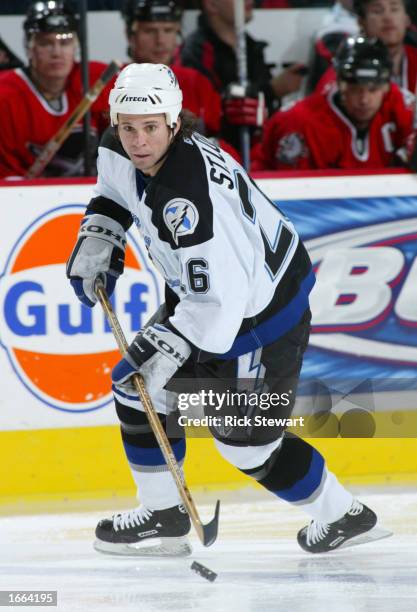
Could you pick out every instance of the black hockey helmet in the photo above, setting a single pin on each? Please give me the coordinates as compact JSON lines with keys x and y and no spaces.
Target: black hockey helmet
{"x":363,"y":60}
{"x":51,"y":16}
{"x":151,"y":10}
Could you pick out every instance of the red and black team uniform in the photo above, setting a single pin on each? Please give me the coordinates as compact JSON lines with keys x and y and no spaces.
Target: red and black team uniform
{"x":317,"y":134}
{"x":204,"y":51}
{"x":28,"y":121}
{"x":207,"y":53}
{"x":407,"y":79}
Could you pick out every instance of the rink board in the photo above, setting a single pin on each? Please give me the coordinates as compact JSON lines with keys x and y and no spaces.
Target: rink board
{"x":58,"y":431}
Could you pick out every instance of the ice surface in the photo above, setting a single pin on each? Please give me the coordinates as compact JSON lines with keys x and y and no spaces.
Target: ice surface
{"x":256,"y":557}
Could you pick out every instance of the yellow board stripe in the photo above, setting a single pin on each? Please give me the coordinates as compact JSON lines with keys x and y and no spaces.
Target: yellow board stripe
{"x":90,"y":462}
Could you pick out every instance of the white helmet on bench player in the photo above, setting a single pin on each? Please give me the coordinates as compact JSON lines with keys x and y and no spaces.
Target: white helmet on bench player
{"x":146,"y":89}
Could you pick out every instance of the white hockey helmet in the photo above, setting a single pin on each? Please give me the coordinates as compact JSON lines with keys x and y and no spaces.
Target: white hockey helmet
{"x":146,"y":89}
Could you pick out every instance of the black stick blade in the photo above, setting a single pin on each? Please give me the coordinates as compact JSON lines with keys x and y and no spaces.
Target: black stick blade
{"x":210,"y":530}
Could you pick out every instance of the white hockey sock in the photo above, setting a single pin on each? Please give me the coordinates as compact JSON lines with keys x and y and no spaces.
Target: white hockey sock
{"x":330,"y":502}
{"x":156,"y":490}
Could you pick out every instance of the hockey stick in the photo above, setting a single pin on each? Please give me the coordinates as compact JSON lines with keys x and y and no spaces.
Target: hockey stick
{"x":242,"y":72}
{"x":57,"y":140}
{"x":206,"y":533}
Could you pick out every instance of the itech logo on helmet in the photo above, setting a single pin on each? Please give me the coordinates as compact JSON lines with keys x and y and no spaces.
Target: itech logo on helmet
{"x":126,"y":98}
{"x":59,"y":349}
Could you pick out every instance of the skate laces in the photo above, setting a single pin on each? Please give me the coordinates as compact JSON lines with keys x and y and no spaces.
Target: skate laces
{"x":356,"y":508}
{"x":131,"y":518}
{"x":317,"y":531}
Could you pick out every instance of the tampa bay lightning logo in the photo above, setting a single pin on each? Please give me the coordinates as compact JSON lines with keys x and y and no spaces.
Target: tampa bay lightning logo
{"x":181,"y":218}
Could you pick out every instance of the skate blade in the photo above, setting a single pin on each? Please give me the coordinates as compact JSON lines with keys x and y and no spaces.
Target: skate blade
{"x":161,"y":547}
{"x":374,"y":534}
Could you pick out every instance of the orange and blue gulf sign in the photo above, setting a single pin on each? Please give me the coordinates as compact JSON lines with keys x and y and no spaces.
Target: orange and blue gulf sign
{"x":59,"y":349}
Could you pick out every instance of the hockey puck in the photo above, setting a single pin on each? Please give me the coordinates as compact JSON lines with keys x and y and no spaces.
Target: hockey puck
{"x":203,"y":571}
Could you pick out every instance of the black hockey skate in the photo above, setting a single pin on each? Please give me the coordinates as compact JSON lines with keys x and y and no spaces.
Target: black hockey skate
{"x":357,"y":526}
{"x":145,"y":532}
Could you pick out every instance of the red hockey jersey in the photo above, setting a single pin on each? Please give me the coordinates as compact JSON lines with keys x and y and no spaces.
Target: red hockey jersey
{"x":315,"y":134}
{"x":28,"y":121}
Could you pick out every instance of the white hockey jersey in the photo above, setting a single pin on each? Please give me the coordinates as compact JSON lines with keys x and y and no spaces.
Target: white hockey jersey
{"x":236,"y":273}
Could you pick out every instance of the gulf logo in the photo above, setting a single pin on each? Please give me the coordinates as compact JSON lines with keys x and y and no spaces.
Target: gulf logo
{"x":364,"y":303}
{"x":59,"y":349}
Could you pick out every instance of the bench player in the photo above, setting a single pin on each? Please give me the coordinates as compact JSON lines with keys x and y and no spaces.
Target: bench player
{"x":362,"y":122}
{"x":36,"y":100}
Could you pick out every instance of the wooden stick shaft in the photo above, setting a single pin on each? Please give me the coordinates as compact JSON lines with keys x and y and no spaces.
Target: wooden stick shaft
{"x":56,"y":141}
{"x":153,"y":418}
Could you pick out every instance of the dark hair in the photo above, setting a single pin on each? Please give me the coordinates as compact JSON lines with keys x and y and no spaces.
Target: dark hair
{"x":359,"y":6}
{"x":189,"y":124}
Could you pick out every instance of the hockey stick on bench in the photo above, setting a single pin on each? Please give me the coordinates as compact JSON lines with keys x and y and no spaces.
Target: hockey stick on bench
{"x":55,"y":143}
{"x":206,"y":533}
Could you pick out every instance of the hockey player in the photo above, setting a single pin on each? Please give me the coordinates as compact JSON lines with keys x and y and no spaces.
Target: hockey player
{"x":153,"y":29}
{"x":211,"y":49}
{"x":363,"y":122}
{"x":387,"y":20}
{"x":35,"y":101}
{"x":237,"y":284}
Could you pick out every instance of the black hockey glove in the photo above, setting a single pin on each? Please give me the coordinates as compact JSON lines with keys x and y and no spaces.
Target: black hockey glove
{"x":100,"y":250}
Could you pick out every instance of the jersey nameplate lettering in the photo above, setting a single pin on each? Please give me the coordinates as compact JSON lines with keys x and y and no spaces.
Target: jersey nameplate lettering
{"x":219,"y":172}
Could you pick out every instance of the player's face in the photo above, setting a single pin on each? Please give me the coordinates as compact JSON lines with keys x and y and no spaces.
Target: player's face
{"x":387,"y":20}
{"x":51,"y":54}
{"x":362,"y":101}
{"x":154,"y":42}
{"x":145,"y":138}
